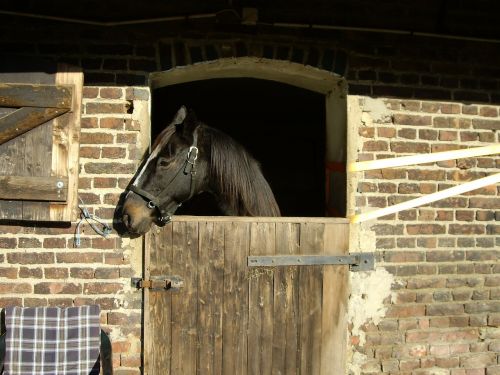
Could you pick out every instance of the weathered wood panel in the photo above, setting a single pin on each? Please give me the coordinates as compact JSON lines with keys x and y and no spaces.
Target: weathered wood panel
{"x":34,"y":188}
{"x":24,"y":119}
{"x":40,"y":142}
{"x":231,"y":319}
{"x":26,"y":95}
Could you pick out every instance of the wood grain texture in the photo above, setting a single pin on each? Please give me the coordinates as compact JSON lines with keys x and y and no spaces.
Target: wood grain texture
{"x":210,"y":297}
{"x":66,"y":143}
{"x":185,"y":302}
{"x":286,"y":302}
{"x":24,"y":120}
{"x":158,"y":314}
{"x":232,"y":319}
{"x":35,"y":95}
{"x":310,"y":300}
{"x":261,"y":301}
{"x":335,"y":299}
{"x":235,"y":318}
{"x":33,"y":188}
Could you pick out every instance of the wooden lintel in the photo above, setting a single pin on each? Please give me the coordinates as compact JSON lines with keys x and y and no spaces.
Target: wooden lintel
{"x":25,"y":119}
{"x":52,"y":189}
{"x":24,"y":95}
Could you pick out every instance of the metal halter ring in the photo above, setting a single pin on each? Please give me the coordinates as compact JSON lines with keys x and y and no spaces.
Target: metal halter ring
{"x":151,"y":205}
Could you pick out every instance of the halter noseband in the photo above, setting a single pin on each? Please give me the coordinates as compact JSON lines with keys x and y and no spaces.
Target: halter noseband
{"x":153,"y":201}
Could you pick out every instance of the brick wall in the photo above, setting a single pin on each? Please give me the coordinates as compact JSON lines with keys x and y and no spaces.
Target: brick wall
{"x":440,"y":312}
{"x":41,"y":266}
{"x":443,"y":313}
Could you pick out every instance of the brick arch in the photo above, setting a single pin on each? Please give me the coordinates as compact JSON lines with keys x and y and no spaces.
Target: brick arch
{"x":182,"y":53}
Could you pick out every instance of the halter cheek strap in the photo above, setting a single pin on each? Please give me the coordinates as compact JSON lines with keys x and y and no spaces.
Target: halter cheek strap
{"x":165,"y":213}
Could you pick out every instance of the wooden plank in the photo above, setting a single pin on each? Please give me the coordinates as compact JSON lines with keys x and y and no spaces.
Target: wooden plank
{"x":261,"y":301}
{"x":25,"y":119}
{"x":210,"y":297}
{"x":429,"y":198}
{"x":424,"y":158}
{"x":11,"y":161}
{"x":66,"y":143}
{"x":335,"y":299}
{"x":158,"y":314}
{"x":184,"y":303}
{"x":235,"y":318}
{"x":26,"y":95}
{"x":286,"y":302}
{"x":33,"y":188}
{"x":249,"y":219}
{"x":310,"y":300}
{"x":21,"y":159}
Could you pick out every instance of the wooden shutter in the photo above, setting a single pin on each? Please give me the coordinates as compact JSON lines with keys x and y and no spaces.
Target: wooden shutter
{"x":40,"y":109}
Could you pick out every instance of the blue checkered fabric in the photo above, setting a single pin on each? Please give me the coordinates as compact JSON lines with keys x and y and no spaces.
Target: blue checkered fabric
{"x":52,"y":340}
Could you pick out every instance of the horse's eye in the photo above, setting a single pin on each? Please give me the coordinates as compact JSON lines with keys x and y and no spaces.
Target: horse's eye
{"x":162,"y":162}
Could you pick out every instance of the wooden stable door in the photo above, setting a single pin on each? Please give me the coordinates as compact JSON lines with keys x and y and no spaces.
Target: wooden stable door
{"x":232,"y":319}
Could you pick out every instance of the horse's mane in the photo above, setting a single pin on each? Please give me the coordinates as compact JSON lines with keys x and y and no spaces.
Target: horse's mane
{"x":239,"y":177}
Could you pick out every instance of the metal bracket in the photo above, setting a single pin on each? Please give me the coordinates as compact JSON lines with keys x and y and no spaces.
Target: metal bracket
{"x":356,"y":261}
{"x":156,"y":283}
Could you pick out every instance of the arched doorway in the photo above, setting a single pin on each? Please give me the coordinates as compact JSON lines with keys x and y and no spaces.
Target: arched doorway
{"x":292,"y":118}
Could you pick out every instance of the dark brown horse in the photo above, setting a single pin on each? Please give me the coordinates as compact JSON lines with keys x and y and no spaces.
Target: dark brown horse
{"x":188,"y":158}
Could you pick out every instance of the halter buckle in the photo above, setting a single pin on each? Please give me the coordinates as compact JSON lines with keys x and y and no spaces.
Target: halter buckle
{"x":193,"y":150}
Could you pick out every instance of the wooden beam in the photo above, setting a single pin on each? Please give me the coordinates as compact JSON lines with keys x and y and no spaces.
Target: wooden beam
{"x":423,"y":158}
{"x":25,"y":119}
{"x":460,"y":189}
{"x":24,"y":95}
{"x":52,"y":189}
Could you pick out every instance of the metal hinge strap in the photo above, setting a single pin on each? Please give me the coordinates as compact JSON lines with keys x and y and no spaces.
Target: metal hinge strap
{"x":356,"y":261}
{"x":156,"y":283}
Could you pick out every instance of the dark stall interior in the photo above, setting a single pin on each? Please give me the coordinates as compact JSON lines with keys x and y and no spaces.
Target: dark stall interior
{"x":282,"y":126}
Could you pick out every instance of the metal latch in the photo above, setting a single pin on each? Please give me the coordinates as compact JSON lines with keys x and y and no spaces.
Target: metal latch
{"x":356,"y":261}
{"x":156,"y":283}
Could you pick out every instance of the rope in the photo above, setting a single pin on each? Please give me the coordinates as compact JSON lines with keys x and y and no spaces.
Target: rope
{"x":93,"y":221}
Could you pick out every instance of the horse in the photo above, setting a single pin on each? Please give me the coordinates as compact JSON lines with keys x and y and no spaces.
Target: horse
{"x":189,"y":157}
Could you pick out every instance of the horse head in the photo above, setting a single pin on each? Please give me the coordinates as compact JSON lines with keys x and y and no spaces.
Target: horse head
{"x":173,"y":173}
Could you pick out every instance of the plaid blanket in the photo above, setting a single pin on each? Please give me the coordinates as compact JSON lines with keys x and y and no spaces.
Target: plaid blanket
{"x":51,"y":340}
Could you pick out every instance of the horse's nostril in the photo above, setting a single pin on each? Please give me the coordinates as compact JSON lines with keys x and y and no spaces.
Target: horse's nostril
{"x":126,"y":220}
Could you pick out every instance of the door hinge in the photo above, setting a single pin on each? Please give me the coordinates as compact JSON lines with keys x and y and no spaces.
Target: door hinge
{"x":157,"y":283}
{"x":356,"y":261}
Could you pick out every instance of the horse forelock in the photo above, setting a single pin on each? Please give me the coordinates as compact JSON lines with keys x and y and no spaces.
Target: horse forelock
{"x":239,"y":177}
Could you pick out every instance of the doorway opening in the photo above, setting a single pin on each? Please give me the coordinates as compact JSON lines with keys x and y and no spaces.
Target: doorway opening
{"x":282,"y":126}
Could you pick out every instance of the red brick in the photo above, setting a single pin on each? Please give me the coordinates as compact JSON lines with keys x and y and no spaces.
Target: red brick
{"x":419,"y":229}
{"x":7,"y":288}
{"x":410,"y":147}
{"x":106,"y":108}
{"x":405,"y":311}
{"x":79,"y":257}
{"x":113,"y":152}
{"x":8,"y":243}
{"x":30,"y":258}
{"x":419,"y":120}
{"x":88,"y":122}
{"x":32,"y":273}
{"x":110,"y":168}
{"x":110,"y":93}
{"x":56,"y":273}
{"x":57,"y":288}
{"x":466,"y":229}
{"x":445,"y":309}
{"x":486,"y":124}
{"x":90,"y":152}
{"x":51,"y":243}
{"x":105,"y":182}
{"x":375,"y":146}
{"x":90,"y":92}
{"x":426,"y":174}
{"x":95,"y":138}
{"x":447,"y":135}
{"x":102,"y":288}
{"x":112,"y":123}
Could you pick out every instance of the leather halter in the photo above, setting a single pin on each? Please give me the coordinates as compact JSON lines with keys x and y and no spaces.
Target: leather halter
{"x":158,"y":201}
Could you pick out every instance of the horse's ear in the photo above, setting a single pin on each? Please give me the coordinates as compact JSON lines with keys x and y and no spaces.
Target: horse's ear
{"x":190,"y":123}
{"x":180,"y":116}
